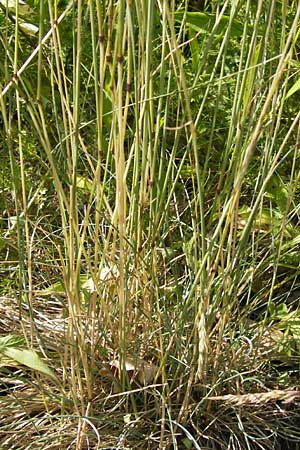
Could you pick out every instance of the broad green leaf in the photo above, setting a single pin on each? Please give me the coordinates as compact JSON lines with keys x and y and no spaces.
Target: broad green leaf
{"x":278,"y":192}
{"x":266,"y":220}
{"x":195,"y":49}
{"x":55,"y":288}
{"x":29,"y":358}
{"x":278,"y":311}
{"x":187,"y":443}
{"x":23,"y":8}
{"x":29,"y":28}
{"x":59,"y":288}
{"x":199,"y":21}
{"x":293,"y":89}
{"x":294,"y":326}
{"x":11,"y":340}
{"x":84,"y":183}
{"x":251,"y":80}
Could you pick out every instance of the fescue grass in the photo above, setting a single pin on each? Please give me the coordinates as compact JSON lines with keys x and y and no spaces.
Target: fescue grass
{"x":150,"y":230}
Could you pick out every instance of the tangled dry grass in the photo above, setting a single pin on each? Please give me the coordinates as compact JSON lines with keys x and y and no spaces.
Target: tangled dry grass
{"x":38,"y":414}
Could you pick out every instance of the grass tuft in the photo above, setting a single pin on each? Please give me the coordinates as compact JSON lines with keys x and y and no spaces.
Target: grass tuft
{"x":149,"y":239}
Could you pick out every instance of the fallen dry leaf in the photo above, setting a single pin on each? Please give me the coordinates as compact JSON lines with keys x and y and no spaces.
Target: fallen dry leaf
{"x":138,"y":370}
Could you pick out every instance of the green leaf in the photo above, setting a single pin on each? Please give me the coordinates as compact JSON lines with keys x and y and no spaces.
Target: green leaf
{"x":55,"y":288}
{"x":278,"y":311}
{"x":23,"y":8}
{"x":251,"y":80}
{"x":195,"y":49}
{"x":11,"y":340}
{"x":59,"y":288}
{"x":187,"y":443}
{"x":294,"y":327}
{"x":278,"y":192}
{"x":29,"y":28}
{"x":293,"y":89}
{"x":199,"y":21}
{"x":28,"y":358}
{"x":84,"y":184}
